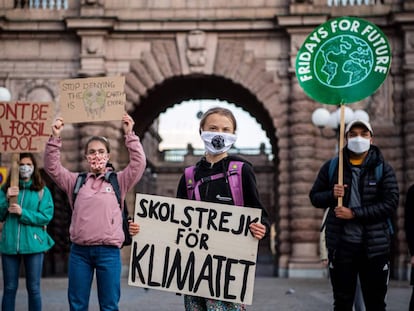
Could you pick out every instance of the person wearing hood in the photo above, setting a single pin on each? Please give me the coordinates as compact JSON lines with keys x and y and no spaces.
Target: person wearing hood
{"x":217,"y":129}
{"x":359,"y":232}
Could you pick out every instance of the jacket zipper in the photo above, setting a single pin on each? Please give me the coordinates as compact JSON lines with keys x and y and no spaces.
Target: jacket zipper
{"x":36,"y":237}
{"x":19,"y":225}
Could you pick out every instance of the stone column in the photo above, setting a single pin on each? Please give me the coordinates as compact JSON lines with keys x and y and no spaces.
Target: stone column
{"x":408,"y":134}
{"x":303,"y":219}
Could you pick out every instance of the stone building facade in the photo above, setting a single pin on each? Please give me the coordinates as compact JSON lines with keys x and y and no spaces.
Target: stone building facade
{"x":241,"y":51}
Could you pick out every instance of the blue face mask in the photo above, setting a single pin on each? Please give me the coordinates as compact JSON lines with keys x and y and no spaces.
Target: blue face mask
{"x":217,"y":142}
{"x":26,"y":171}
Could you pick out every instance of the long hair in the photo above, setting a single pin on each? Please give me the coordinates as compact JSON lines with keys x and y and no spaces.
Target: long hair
{"x":221,"y":111}
{"x":37,"y":181}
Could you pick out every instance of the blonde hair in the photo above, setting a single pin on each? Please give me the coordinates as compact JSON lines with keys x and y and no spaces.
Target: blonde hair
{"x":221,"y":111}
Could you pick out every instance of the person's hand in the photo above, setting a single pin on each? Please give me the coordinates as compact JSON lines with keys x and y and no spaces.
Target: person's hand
{"x":324,"y":262}
{"x":57,"y":127}
{"x":339,"y":190}
{"x":343,"y":212}
{"x":12,"y":191}
{"x":15,"y":209}
{"x":258,"y":230}
{"x":133,"y":228}
{"x":127,"y":123}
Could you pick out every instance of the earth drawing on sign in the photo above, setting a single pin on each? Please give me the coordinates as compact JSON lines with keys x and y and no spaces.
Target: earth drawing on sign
{"x":342,"y":61}
{"x":345,"y":61}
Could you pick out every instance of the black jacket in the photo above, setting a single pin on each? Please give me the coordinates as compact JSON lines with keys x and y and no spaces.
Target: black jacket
{"x":409,"y":219}
{"x":379,"y":202}
{"x":211,"y":191}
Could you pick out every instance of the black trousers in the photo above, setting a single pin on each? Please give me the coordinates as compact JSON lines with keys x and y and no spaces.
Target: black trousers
{"x":412,"y":293}
{"x":345,"y":264}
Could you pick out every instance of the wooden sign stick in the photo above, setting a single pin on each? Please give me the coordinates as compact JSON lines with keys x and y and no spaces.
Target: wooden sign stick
{"x":340,"y":151}
{"x":14,"y":174}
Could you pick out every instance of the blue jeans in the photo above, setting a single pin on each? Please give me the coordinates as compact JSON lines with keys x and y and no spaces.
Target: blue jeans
{"x":105,"y":261}
{"x":33,"y":264}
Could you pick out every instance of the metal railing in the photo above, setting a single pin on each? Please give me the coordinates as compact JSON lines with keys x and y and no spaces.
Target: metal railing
{"x":353,"y":2}
{"x":41,"y":4}
{"x":177,"y":155}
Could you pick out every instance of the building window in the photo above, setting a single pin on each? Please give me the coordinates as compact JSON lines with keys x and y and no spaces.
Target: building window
{"x":41,"y":4}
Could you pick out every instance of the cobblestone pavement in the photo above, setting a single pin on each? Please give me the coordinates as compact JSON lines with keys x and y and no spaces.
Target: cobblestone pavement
{"x":270,"y":294}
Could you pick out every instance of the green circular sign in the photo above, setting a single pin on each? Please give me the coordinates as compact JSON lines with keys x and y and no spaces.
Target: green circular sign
{"x":343,"y":61}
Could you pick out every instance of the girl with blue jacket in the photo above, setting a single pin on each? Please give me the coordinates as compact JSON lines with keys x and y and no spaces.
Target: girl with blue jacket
{"x":24,"y":237}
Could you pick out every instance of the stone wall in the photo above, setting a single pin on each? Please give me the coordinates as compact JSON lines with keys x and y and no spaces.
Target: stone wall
{"x":241,"y":51}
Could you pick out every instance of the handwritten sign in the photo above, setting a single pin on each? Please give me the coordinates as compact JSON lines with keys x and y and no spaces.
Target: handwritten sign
{"x":24,"y":127}
{"x":195,"y":248}
{"x":92,"y":99}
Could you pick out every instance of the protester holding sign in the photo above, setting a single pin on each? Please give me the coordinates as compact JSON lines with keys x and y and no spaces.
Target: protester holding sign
{"x":217,"y":129}
{"x":358,"y":233}
{"x":96,"y":226}
{"x":409,"y":236}
{"x":24,"y":236}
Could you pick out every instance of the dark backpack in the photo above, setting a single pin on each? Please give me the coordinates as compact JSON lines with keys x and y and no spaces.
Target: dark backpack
{"x":379,"y":170}
{"x":234,"y":176}
{"x":113,"y":180}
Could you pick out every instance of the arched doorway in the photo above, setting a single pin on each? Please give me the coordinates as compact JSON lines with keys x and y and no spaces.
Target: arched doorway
{"x":178,"y":89}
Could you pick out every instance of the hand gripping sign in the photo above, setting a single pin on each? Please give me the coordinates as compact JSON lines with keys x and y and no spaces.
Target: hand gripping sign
{"x":343,"y":61}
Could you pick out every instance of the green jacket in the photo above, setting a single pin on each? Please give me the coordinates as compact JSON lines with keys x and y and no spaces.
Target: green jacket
{"x":26,"y":234}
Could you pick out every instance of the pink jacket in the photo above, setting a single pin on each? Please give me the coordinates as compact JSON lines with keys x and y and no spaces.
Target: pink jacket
{"x":96,"y":216}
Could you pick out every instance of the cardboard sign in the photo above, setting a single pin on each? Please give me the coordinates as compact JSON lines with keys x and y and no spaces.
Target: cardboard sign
{"x":24,"y":127}
{"x":92,"y":99}
{"x":343,"y":61}
{"x":195,"y":248}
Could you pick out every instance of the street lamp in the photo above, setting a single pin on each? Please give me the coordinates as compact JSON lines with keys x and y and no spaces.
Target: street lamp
{"x":5,"y":95}
{"x":322,"y":118}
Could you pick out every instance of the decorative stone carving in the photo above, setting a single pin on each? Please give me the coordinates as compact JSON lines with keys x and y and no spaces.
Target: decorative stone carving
{"x":197,"y":51}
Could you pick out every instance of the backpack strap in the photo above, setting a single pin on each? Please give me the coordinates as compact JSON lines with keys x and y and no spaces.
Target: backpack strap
{"x":189,"y":181}
{"x":80,"y":180}
{"x":333,"y":165}
{"x":235,"y":180}
{"x":234,"y":177}
{"x":379,"y":171}
{"x":110,"y":177}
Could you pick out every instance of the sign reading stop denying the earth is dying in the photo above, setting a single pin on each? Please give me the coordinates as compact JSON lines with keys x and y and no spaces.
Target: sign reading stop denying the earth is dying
{"x":24,"y":127}
{"x":92,"y":99}
{"x":343,"y":61}
{"x":194,"y":247}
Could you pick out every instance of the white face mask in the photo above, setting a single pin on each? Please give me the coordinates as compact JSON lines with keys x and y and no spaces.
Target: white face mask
{"x":26,"y":171}
{"x":359,"y":144}
{"x":217,"y":142}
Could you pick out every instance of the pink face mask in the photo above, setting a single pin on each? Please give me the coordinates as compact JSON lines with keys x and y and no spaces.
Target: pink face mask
{"x":97,"y":161}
